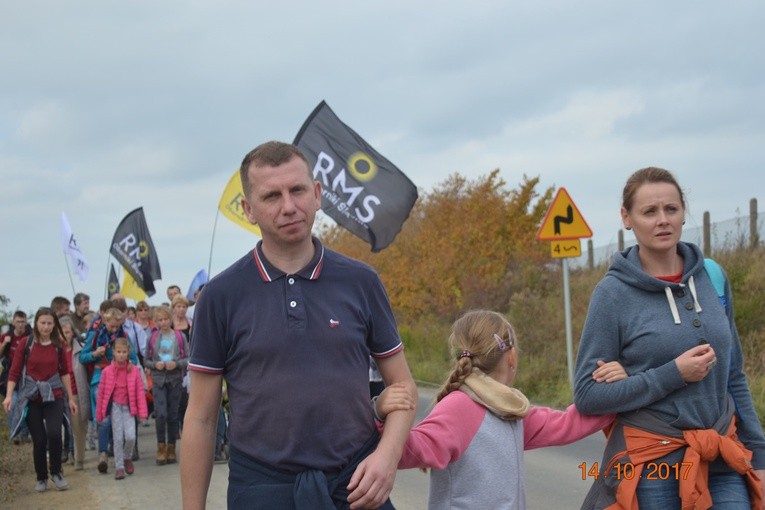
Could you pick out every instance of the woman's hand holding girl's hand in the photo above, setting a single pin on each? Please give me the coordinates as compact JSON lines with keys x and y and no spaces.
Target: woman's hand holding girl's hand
{"x":7,"y":403}
{"x":695,"y":363}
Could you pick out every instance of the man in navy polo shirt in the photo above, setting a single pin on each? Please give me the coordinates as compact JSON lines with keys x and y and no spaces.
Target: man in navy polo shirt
{"x":291,"y":327}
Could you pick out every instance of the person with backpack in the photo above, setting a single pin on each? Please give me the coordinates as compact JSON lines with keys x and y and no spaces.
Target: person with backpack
{"x":167,"y":358}
{"x":41,"y":373}
{"x":9,"y":344}
{"x":687,"y":434}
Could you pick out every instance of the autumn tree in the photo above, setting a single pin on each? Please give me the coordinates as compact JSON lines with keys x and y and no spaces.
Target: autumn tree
{"x":467,"y":244}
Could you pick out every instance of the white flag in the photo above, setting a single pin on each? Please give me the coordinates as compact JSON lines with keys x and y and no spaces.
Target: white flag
{"x":68,"y":242}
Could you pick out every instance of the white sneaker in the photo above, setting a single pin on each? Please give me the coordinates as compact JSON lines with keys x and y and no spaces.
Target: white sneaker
{"x":60,"y":482}
{"x":41,"y":485}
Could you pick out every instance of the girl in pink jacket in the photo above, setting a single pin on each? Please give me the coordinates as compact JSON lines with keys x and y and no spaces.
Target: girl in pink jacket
{"x":121,"y":388}
{"x":474,"y":437}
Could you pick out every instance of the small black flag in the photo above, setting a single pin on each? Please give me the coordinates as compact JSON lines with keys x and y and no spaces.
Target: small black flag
{"x":361,"y":189}
{"x":133,"y":248}
{"x":114,"y":283}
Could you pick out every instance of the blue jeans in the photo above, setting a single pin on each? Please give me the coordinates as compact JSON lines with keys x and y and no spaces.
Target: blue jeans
{"x":220,"y":433}
{"x":728,"y":490}
{"x":105,"y":427}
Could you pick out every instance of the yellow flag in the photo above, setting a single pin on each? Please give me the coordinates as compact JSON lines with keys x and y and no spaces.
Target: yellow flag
{"x":231,"y":204}
{"x":130,"y":288}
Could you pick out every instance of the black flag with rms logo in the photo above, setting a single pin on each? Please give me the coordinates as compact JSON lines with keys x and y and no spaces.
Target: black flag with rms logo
{"x":114,"y":283}
{"x":133,"y":248}
{"x":361,"y":189}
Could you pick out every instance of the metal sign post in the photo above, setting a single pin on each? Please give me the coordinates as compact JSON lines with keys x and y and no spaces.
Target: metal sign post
{"x":569,"y":332}
{"x":564,"y":226}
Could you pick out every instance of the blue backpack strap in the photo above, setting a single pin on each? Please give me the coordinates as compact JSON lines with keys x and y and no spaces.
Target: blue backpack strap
{"x":715,"y":273}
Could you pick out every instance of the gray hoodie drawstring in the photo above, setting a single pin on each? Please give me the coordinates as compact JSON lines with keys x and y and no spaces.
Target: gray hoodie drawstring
{"x":673,"y":305}
{"x":692,"y":286}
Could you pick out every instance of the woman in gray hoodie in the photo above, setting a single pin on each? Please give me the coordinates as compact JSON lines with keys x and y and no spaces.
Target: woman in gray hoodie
{"x":687,"y":432}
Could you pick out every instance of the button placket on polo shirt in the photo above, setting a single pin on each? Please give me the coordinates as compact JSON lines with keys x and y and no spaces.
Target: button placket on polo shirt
{"x":296,"y":313}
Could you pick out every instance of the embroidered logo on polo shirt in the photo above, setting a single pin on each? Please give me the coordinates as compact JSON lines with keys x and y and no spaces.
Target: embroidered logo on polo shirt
{"x":333,"y":323}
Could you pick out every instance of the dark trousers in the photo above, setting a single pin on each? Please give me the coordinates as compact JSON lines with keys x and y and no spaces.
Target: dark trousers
{"x":44,"y":420}
{"x":254,"y":486}
{"x":167,"y":399}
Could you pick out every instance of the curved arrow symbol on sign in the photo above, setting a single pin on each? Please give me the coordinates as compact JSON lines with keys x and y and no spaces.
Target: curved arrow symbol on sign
{"x":568,"y":219}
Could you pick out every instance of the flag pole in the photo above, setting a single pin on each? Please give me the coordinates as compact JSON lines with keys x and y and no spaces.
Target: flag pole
{"x":69,"y":272}
{"x":212,"y":242}
{"x":106,"y":284}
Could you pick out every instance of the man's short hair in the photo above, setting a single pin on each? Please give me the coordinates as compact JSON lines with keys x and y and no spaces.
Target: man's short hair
{"x":59,"y":301}
{"x":80,"y":297}
{"x":271,"y":153}
{"x":120,"y":304}
{"x":20,"y":313}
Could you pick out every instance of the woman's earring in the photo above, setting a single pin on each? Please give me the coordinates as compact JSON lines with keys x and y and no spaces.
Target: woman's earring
{"x":628,"y":228}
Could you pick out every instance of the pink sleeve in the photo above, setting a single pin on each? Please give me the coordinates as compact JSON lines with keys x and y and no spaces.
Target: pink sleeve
{"x":101,"y":395}
{"x":549,"y":427}
{"x":143,"y":408}
{"x":444,"y":435}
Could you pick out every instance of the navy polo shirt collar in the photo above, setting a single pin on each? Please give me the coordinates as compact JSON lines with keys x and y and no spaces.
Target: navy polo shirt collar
{"x":270,"y":273}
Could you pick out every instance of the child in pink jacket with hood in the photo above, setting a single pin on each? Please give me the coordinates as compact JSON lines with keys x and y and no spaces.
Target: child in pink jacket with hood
{"x":121,"y":394}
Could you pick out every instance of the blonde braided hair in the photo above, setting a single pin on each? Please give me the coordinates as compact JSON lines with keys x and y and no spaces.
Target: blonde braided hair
{"x":474,"y":345}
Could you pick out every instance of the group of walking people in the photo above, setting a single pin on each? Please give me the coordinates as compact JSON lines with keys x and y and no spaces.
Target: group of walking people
{"x":78,"y":373}
{"x":291,"y":326}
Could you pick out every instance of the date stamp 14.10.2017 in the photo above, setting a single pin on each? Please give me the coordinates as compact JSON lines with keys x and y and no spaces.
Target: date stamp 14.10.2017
{"x":650,"y":471}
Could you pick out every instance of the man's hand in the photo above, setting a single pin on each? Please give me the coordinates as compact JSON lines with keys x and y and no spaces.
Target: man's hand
{"x":372,"y":482}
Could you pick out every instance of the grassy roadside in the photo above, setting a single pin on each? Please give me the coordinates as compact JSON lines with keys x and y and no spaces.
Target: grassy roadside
{"x":16,"y":467}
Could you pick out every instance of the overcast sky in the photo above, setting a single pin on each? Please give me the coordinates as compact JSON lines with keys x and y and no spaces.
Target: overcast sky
{"x":105,"y":107}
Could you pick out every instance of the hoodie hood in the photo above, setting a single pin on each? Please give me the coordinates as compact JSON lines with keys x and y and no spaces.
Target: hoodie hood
{"x":627,"y":268}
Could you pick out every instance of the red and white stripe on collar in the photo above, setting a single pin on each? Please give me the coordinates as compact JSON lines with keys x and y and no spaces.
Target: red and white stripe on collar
{"x":263,"y":270}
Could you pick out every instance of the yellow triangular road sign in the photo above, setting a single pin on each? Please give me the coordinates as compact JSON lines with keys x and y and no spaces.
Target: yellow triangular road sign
{"x":563,"y":220}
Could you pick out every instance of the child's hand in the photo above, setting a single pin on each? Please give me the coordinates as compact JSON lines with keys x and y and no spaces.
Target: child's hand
{"x":609,"y":372}
{"x":159,"y":365}
{"x":393,"y":398}
{"x":170,"y":365}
